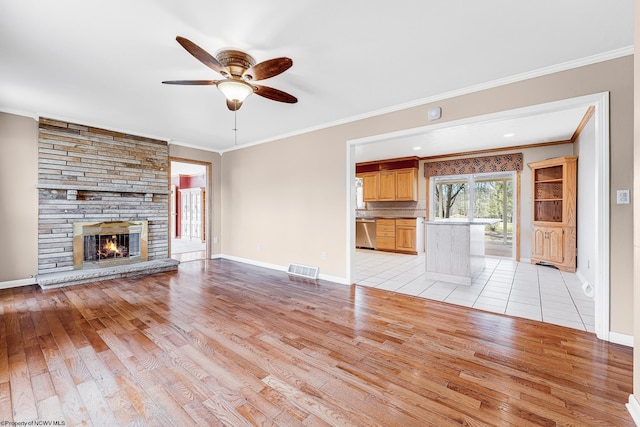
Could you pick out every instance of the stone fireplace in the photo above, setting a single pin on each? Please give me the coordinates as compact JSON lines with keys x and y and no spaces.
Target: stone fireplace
{"x":103,"y":204}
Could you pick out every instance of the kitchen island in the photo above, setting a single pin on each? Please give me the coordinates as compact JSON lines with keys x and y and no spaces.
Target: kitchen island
{"x":455,"y":249}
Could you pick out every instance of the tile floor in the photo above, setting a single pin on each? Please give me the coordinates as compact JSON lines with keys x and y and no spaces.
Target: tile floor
{"x":187,"y":250}
{"x":505,"y":286}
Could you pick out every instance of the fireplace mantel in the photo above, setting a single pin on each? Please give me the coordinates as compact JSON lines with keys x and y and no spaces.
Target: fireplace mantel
{"x":107,"y":189}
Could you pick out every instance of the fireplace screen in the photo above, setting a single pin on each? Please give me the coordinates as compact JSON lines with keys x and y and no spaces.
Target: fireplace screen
{"x":109,"y":243}
{"x":111,"y":246}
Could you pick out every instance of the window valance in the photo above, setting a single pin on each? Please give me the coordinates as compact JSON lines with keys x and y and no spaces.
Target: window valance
{"x":497,"y":163}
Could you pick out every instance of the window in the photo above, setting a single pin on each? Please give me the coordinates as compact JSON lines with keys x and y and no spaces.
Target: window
{"x":475,"y":196}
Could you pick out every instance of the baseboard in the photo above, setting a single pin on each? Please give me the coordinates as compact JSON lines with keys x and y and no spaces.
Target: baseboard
{"x":334,"y":279}
{"x":327,"y":277}
{"x":634,"y":409}
{"x":17,"y":283}
{"x":254,"y":262}
{"x":621,"y":339}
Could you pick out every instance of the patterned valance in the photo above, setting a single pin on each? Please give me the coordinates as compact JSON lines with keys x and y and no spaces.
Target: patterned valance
{"x":498,"y":163}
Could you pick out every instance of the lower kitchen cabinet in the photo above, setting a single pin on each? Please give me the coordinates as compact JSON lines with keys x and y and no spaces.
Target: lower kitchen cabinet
{"x":385,"y":234}
{"x":405,"y":235}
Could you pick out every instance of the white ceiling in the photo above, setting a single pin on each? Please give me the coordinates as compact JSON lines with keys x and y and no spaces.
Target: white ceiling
{"x":102,"y":63}
{"x":507,"y":130}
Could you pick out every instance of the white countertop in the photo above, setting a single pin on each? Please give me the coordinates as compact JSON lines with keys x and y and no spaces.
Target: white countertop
{"x":464,"y":221}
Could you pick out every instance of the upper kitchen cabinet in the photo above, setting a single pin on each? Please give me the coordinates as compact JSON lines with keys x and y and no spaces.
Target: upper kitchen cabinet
{"x":407,"y":184}
{"x":370,"y":184}
{"x":389,"y":180}
{"x":387,"y":186}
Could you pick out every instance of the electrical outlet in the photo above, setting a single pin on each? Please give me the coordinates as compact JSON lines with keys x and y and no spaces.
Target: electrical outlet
{"x":258,"y":247}
{"x":215,"y":240}
{"x":324,"y":255}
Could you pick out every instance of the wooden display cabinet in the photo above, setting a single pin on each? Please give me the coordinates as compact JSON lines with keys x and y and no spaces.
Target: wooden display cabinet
{"x":554,"y":212}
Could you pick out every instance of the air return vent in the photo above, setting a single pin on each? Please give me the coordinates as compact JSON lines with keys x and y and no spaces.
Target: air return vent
{"x":303,"y":271}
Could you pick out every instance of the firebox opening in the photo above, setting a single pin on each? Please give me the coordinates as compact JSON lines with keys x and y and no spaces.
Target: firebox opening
{"x":109,"y":243}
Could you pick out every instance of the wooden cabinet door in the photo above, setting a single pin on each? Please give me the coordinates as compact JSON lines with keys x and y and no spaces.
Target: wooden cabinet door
{"x":387,"y":186}
{"x":370,"y":187}
{"x":555,"y":241}
{"x":406,"y":184}
{"x":538,"y":242}
{"x":405,"y":238}
{"x":548,"y":244}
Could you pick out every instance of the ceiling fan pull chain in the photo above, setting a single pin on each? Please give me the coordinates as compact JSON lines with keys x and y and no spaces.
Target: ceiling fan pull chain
{"x":235,"y":126}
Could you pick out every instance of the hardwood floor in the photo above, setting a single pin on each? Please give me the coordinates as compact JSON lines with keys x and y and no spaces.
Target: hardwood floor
{"x":224,"y":343}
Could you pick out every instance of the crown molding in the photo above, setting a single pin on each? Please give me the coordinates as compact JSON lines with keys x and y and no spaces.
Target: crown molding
{"x":564,"y":66}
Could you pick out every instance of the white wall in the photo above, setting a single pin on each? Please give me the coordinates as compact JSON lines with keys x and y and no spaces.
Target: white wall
{"x":18,"y":199}
{"x":585,"y":149}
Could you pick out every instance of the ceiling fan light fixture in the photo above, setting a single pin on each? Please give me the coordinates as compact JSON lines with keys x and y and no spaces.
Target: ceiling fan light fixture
{"x":235,"y":90}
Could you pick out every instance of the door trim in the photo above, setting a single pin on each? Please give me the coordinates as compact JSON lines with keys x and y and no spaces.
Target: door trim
{"x":602,"y":191}
{"x":208,"y":200}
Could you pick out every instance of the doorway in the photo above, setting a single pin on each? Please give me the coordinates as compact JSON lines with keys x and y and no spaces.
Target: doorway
{"x":596,"y":197}
{"x":188,"y":213}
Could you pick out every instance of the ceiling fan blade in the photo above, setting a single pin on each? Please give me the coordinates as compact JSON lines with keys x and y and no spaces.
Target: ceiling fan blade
{"x":233,"y":105}
{"x":275,"y":94}
{"x":191,"y":82}
{"x":203,"y":56}
{"x":267,"y":69}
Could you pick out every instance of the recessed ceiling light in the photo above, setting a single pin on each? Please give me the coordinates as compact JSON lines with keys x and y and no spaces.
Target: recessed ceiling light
{"x":417,"y":148}
{"x":509,"y":135}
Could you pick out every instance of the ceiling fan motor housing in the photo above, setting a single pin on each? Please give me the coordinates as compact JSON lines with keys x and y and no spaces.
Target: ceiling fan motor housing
{"x":236,"y":61}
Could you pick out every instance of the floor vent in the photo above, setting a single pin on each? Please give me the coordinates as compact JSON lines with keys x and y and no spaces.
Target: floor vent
{"x":303,"y":271}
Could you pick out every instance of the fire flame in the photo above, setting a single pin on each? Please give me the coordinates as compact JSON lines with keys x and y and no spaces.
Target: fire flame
{"x":110,"y":246}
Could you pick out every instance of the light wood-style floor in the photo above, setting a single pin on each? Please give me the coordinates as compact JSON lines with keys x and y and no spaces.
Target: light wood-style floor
{"x":224,"y":343}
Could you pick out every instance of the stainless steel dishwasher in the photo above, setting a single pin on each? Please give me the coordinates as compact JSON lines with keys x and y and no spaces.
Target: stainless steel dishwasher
{"x":365,"y":233}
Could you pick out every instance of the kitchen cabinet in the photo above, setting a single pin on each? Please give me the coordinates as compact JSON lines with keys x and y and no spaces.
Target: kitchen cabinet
{"x":554,"y":212}
{"x":404,"y":235}
{"x":387,"y":186}
{"x":407,"y":184}
{"x":389,"y":180}
{"x":385,"y":234}
{"x":390,"y":185}
{"x":370,"y":186}
{"x":406,"y":238}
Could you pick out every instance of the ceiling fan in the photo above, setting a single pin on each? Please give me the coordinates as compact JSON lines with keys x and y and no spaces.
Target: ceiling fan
{"x":239,"y":69}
